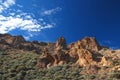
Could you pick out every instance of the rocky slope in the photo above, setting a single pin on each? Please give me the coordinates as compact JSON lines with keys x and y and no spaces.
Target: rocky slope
{"x":86,"y":53}
{"x":83,"y":53}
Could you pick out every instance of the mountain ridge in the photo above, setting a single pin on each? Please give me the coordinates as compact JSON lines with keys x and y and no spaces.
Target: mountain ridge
{"x":85,"y":53}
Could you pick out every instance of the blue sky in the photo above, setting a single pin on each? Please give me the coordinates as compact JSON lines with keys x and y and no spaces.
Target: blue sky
{"x":46,"y":20}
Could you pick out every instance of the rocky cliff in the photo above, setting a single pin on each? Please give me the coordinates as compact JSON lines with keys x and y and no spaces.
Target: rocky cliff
{"x":87,"y":53}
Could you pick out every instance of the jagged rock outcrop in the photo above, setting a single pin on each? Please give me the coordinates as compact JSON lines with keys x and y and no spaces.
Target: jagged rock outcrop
{"x":61,"y":42}
{"x":85,"y":52}
{"x":57,"y":57}
{"x":90,"y":43}
{"x":12,"y":40}
{"x":105,"y":61}
{"x":8,"y":41}
{"x":82,"y":53}
{"x":45,"y":59}
{"x":85,"y":58}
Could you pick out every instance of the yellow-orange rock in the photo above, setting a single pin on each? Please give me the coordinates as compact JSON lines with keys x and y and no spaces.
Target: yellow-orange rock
{"x":49,"y":59}
{"x":85,"y":58}
{"x":90,"y":43}
{"x":61,"y":42}
{"x":105,"y":62}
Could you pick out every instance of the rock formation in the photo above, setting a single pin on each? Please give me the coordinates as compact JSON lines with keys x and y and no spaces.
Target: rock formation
{"x":90,"y":43}
{"x":61,"y":42}
{"x":85,"y":58}
{"x":56,"y":57}
{"x":105,"y":62}
{"x":12,"y":39}
{"x":82,"y":53}
{"x":8,"y":41}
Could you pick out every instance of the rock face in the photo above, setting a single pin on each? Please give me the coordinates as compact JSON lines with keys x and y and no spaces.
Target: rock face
{"x":57,"y":57}
{"x":8,"y":41}
{"x":12,"y":39}
{"x":82,"y":53}
{"x":85,"y":58}
{"x":90,"y":43}
{"x":47,"y":59}
{"x":105,"y":62}
{"x":61,"y":43}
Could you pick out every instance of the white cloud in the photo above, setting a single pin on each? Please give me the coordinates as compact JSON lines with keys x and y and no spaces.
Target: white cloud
{"x":17,"y":19}
{"x":47,"y":26}
{"x":51,"y":11}
{"x":6,"y":4}
{"x":1,"y":8}
{"x":19,"y":5}
{"x":27,"y":37}
{"x":114,"y":48}
{"x":109,"y":43}
{"x":10,"y":23}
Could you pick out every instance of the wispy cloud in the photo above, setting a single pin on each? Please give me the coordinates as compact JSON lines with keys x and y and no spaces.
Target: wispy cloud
{"x":107,"y":42}
{"x":114,"y":48}
{"x":51,"y":11}
{"x":28,"y":24}
{"x":22,"y":20}
{"x":19,"y":5}
{"x":110,"y":44}
{"x":6,"y":4}
{"x":104,"y":42}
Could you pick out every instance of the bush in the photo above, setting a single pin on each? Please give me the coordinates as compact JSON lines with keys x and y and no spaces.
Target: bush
{"x":21,"y":66}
